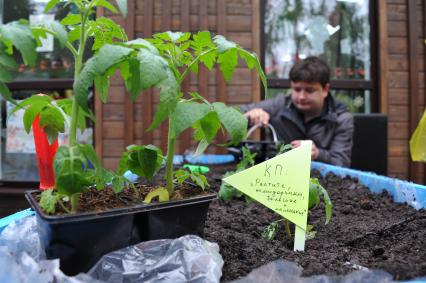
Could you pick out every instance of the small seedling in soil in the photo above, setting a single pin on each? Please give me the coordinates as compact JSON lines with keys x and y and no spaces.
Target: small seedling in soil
{"x":316,"y":192}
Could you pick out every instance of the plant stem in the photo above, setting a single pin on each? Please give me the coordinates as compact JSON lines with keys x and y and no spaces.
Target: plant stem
{"x":74,"y":203}
{"x":195,"y":61}
{"x":63,"y":206}
{"x":287,"y":228}
{"x":78,"y":57}
{"x":169,"y":162}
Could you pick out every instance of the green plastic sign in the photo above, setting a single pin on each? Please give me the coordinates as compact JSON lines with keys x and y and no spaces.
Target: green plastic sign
{"x":281,"y":184}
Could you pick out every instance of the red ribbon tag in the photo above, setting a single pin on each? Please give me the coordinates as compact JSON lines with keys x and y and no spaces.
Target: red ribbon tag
{"x":45,"y":153}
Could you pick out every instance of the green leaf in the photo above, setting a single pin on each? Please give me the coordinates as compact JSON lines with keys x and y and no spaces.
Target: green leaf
{"x":30,"y":114}
{"x":169,"y":95}
{"x":209,"y":125}
{"x":68,"y":167}
{"x":72,"y":183}
{"x":122,"y":6}
{"x":226,"y":192}
{"x":223,"y":44}
{"x":74,"y":34}
{"x":107,"y":56}
{"x":5,"y":92}
{"x":48,"y":201}
{"x":5,"y":75}
{"x":90,"y":154}
{"x":71,"y":19}
{"x":270,"y":231}
{"x":153,"y":69}
{"x":106,"y":4}
{"x":133,"y":82}
{"x":314,"y":198}
{"x":172,"y":36}
{"x":21,"y":36}
{"x":142,"y":43}
{"x":209,"y":59}
{"x":52,"y":118}
{"x":60,"y":32}
{"x":187,"y":114}
{"x":8,"y":61}
{"x":252,"y":60}
{"x":200,"y":40}
{"x":315,"y":190}
{"x":161,"y":193}
{"x":50,"y":5}
{"x":125,"y":70}
{"x":181,"y":175}
{"x":144,"y":161}
{"x":118,"y":183}
{"x":102,"y":85}
{"x":199,"y":179}
{"x":233,"y":121}
{"x":106,"y":31}
{"x":122,"y":164}
{"x":228,"y":60}
{"x":148,"y":159}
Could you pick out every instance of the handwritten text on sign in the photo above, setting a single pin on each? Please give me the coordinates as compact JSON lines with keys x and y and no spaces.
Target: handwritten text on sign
{"x":280,"y":183}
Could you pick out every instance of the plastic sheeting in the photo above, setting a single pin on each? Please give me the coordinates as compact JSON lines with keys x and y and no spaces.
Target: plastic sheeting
{"x":187,"y":259}
{"x":281,"y":271}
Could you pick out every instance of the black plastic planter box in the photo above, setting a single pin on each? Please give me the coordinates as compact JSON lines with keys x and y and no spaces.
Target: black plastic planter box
{"x":80,"y":240}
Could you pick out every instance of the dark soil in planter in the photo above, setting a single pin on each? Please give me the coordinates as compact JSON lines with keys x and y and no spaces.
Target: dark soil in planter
{"x":366,"y":230}
{"x":94,"y":200}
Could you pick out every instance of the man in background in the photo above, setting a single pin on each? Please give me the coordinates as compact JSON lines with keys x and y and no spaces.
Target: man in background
{"x":309,"y":113}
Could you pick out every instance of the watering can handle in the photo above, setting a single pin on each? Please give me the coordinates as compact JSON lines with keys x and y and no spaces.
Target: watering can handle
{"x":274,"y":133}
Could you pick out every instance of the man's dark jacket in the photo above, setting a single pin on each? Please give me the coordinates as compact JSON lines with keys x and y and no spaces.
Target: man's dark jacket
{"x":331,"y":132}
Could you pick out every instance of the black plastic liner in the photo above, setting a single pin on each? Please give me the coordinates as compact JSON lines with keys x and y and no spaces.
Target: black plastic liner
{"x":80,"y":240}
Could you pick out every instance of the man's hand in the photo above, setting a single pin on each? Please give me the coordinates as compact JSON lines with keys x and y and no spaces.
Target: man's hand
{"x":314,"y":150}
{"x":257,"y":116}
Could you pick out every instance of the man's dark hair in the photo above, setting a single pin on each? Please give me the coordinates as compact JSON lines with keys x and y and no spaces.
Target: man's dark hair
{"x":312,"y":70}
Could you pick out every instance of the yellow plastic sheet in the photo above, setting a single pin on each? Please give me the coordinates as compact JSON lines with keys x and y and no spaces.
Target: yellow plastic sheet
{"x":418,"y":141}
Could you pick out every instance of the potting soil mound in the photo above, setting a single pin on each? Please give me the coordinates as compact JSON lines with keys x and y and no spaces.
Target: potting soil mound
{"x":366,"y":230}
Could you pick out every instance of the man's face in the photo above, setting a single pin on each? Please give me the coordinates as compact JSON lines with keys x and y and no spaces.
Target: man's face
{"x":308,"y":97}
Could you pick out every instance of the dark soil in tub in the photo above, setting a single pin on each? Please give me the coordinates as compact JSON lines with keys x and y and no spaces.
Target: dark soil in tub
{"x":366,"y":230}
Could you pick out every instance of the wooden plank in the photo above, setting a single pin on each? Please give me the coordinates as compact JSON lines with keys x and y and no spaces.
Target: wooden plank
{"x":220,"y":81}
{"x":185,"y":137}
{"x":166,"y":24}
{"x":113,"y":148}
{"x":256,"y":26}
{"x":398,"y":96}
{"x":111,"y":163}
{"x":117,"y":94}
{"x":398,"y":148}
{"x":203,"y":25}
{"x":129,"y":106}
{"x":398,"y":80}
{"x":241,"y":76}
{"x":396,"y":12}
{"x":113,"y":112}
{"x":398,"y":113}
{"x":114,"y":129}
{"x":398,"y":130}
{"x":147,"y":112}
{"x":99,"y":109}
{"x":398,"y":164}
{"x":398,"y":62}
{"x":414,"y":168}
{"x":397,"y":29}
{"x":234,"y":23}
{"x":397,"y":45}
{"x":244,"y":38}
